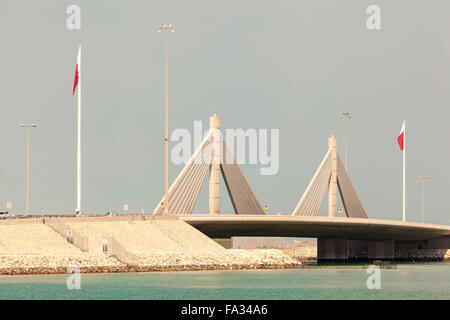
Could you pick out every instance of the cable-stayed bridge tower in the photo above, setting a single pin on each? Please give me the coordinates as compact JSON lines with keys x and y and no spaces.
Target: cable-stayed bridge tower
{"x":214,"y":156}
{"x":331,"y":174}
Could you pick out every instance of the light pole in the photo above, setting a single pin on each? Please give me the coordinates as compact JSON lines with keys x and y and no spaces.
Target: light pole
{"x":27,"y":127}
{"x":346,"y":116}
{"x":166,"y":27}
{"x":423,"y":192}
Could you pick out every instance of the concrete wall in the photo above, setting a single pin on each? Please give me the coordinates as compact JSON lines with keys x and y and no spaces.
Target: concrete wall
{"x":343,"y":249}
{"x":380,"y":249}
{"x":335,"y":249}
{"x":331,"y":249}
{"x":356,"y":249}
{"x":436,"y":243}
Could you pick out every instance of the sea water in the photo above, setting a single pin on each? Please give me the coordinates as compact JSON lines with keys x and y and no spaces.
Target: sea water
{"x":421,"y":281}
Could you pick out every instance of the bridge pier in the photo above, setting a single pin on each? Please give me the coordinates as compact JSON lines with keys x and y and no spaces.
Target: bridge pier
{"x":340,"y":249}
{"x":436,"y":243}
{"x":331,"y":249}
{"x":380,"y":249}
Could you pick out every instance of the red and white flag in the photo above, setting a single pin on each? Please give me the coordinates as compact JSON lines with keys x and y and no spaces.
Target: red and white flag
{"x":77,"y":72}
{"x":401,"y":137}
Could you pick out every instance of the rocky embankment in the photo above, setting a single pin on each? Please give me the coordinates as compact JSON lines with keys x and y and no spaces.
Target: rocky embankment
{"x":407,"y":254}
{"x":48,"y":264}
{"x":302,"y":253}
{"x":422,"y":254}
{"x":153,"y":244}
{"x":104,"y":263}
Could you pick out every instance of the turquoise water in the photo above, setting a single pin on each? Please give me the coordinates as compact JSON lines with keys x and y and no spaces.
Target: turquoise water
{"x":421,"y":282}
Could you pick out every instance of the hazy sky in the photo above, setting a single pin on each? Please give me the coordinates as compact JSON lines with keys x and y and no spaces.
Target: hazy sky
{"x":289,"y":65}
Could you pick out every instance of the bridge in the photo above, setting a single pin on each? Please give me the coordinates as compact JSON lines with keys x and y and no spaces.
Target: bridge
{"x":338,"y":237}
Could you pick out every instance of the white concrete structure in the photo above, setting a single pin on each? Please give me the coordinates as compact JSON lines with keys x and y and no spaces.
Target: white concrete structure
{"x":332,"y":174}
{"x":214,"y":176}
{"x":332,"y":186}
{"x":211,"y":155}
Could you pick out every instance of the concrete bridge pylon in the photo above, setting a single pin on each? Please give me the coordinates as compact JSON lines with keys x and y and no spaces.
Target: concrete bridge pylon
{"x":331,"y":174}
{"x":214,"y":156}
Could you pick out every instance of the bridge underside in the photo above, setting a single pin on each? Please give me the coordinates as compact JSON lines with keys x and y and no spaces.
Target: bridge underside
{"x":338,"y":238}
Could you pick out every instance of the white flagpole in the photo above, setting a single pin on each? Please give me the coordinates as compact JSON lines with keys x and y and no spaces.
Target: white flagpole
{"x":404,"y":172}
{"x":79,"y":135}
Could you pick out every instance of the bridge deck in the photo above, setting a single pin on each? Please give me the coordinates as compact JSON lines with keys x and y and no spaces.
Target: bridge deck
{"x":225,"y":226}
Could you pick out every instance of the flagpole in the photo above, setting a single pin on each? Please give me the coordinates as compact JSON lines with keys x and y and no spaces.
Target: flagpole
{"x":166,"y":177}
{"x":79,"y":137}
{"x":404,"y":171}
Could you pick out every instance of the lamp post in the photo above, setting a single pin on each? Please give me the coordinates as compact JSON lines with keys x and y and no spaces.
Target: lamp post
{"x":423,"y":193}
{"x":165,"y":28}
{"x":27,"y":127}
{"x":346,"y":116}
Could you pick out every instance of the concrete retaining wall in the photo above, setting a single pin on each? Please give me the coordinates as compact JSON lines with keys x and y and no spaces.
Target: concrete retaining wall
{"x":342,"y":249}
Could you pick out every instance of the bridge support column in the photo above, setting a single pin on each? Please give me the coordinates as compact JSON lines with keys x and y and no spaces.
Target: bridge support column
{"x":436,"y":243}
{"x":332,"y":188}
{"x":338,"y":249}
{"x":380,"y":249}
{"x":214,"y":177}
{"x":329,"y":249}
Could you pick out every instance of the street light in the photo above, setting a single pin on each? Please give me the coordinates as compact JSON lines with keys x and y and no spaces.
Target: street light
{"x":346,"y":116}
{"x":166,"y":27}
{"x":27,"y":127}
{"x":423,"y":192}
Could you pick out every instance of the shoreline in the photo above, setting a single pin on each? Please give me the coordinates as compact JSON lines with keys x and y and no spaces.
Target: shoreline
{"x":143,"y":269}
{"x":13,"y":264}
{"x":121,"y":267}
{"x":421,"y":265}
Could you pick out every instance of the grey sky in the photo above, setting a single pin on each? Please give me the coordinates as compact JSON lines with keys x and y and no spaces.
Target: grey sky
{"x":292,"y":65}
